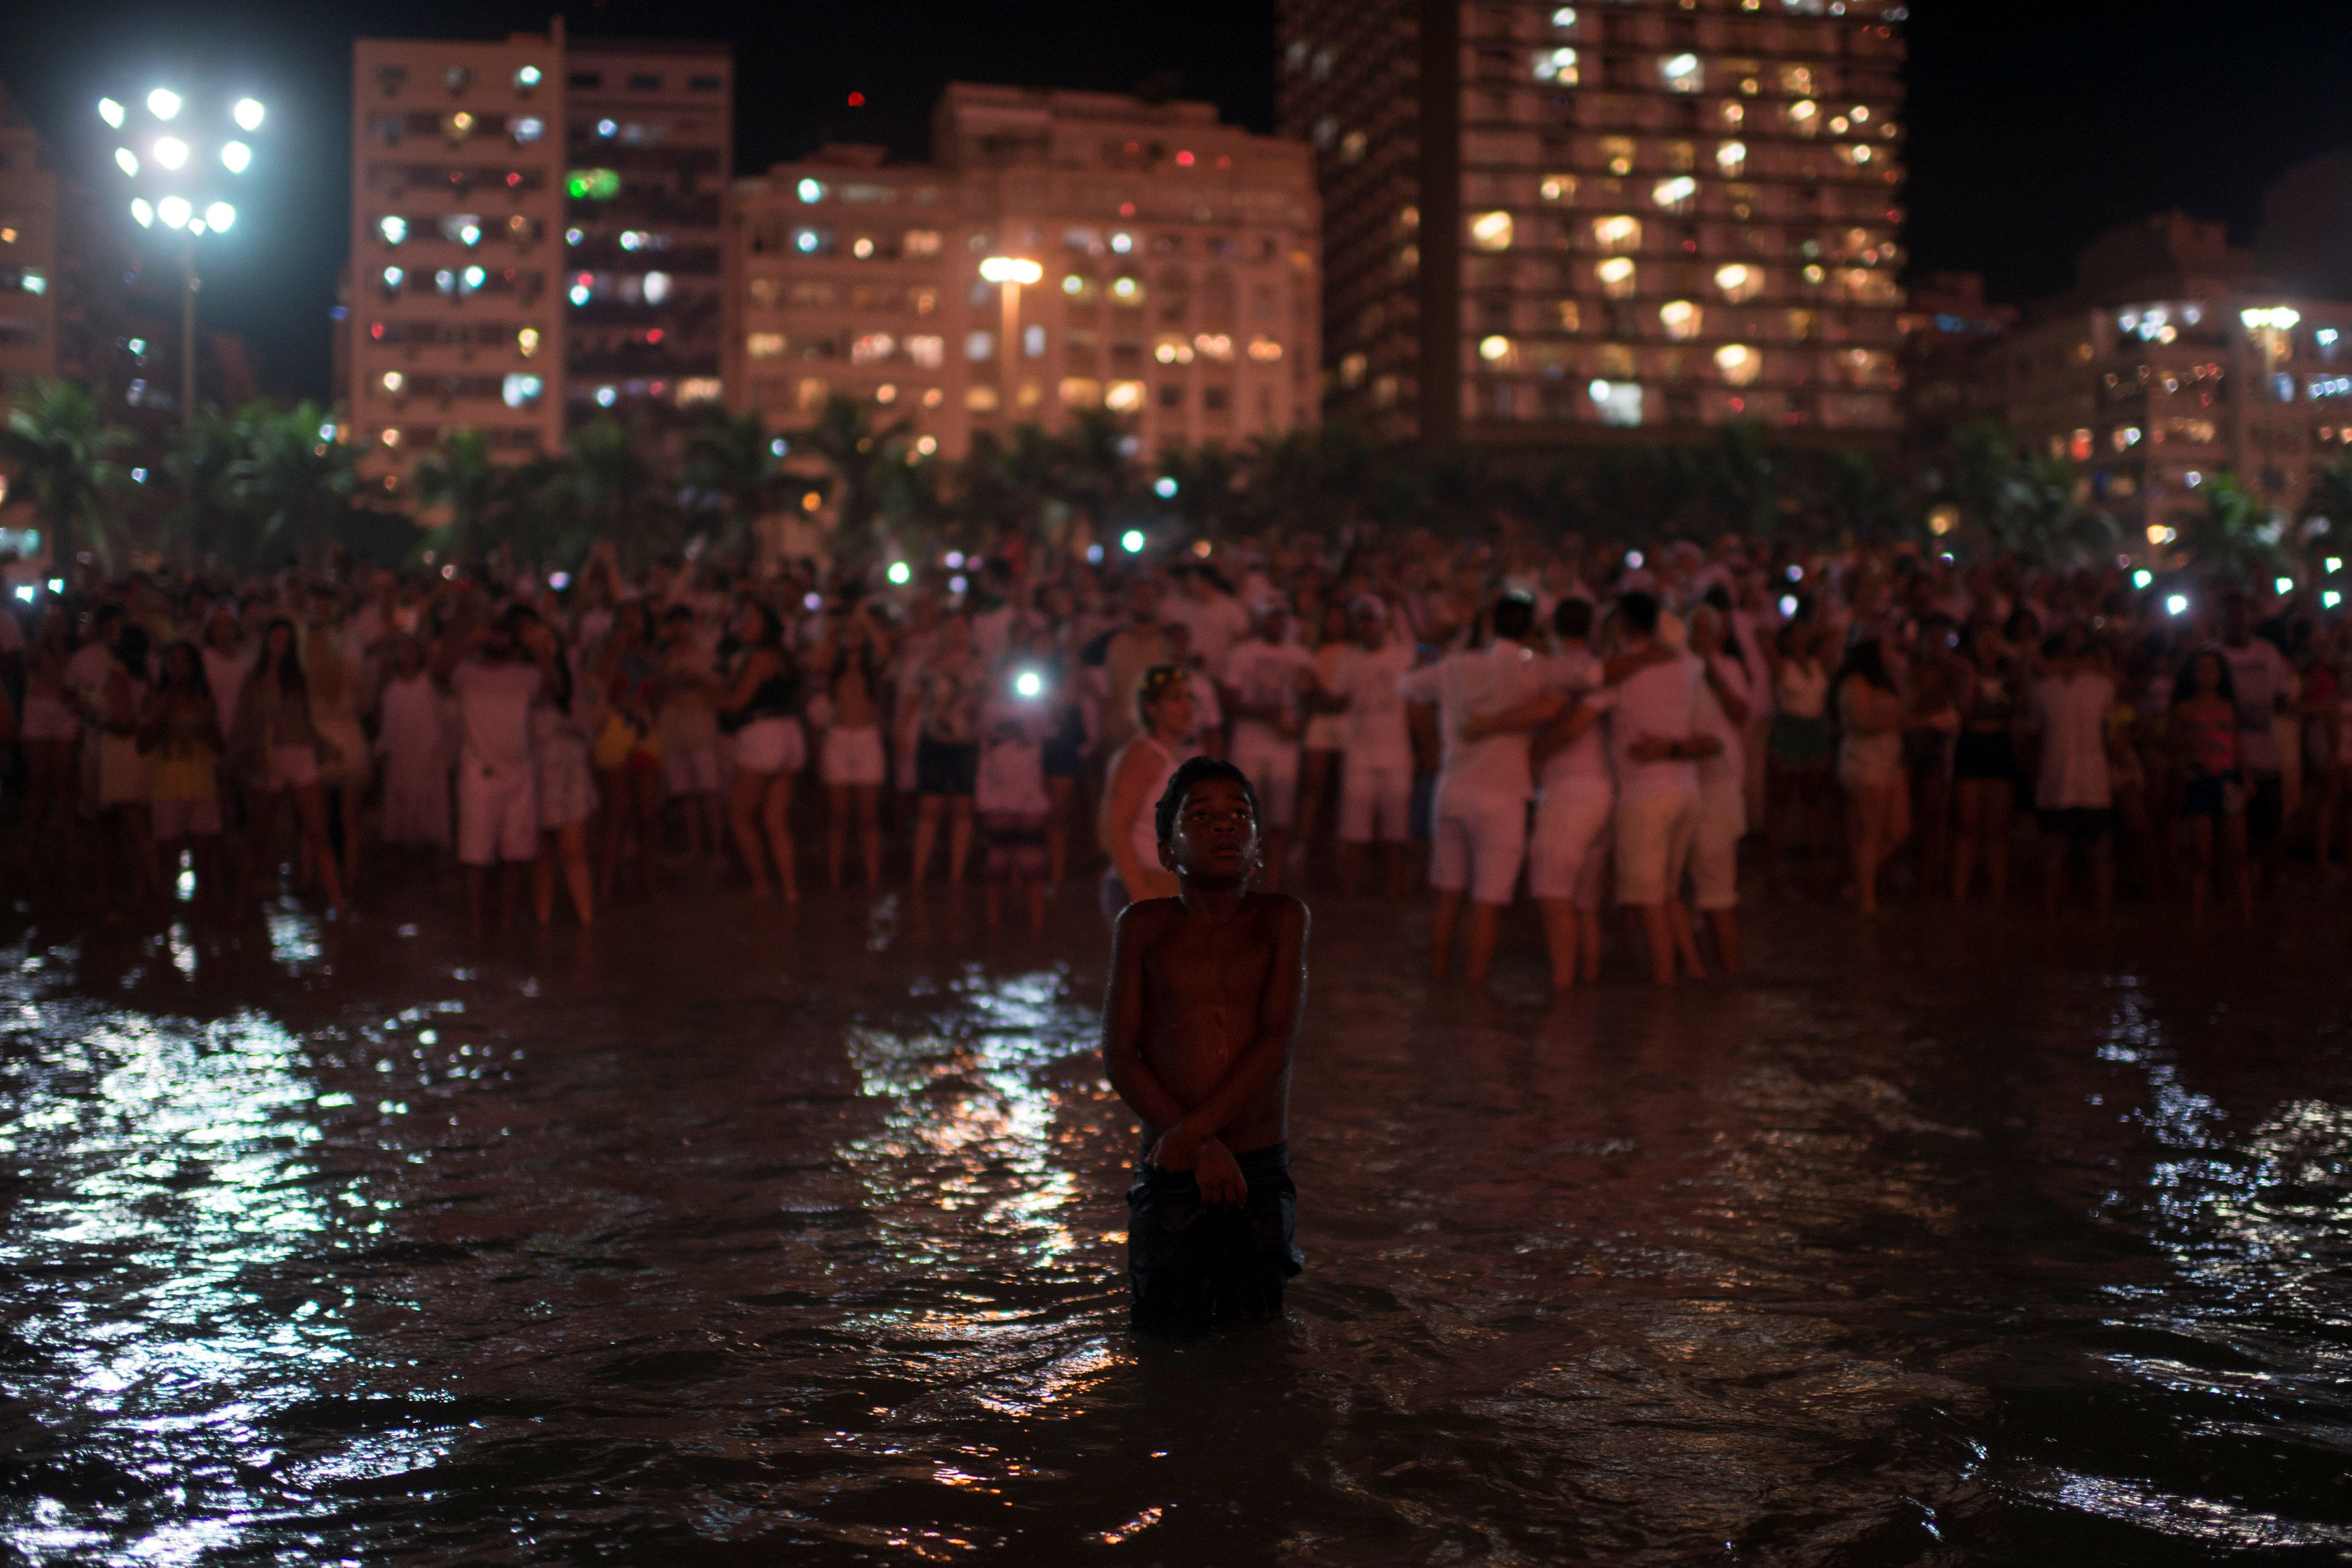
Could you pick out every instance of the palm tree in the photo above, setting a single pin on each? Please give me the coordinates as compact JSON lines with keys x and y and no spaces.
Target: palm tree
{"x":292,"y":484}
{"x":612,"y":490}
{"x":1736,"y":482}
{"x":202,"y":520}
{"x":866,"y":464}
{"x":64,"y":455}
{"x":2233,"y":536}
{"x":730,"y":472}
{"x":1207,"y":478}
{"x":472,"y":494}
{"x":2328,"y":505}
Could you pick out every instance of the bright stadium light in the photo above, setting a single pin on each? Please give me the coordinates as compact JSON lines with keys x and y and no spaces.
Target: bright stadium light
{"x":248,"y":113}
{"x":111,"y":111}
{"x":163,"y":103}
{"x":219,"y":216}
{"x":236,"y":157}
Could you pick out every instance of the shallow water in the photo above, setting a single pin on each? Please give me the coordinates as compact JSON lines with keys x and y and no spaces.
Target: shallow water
{"x":748,"y":1238}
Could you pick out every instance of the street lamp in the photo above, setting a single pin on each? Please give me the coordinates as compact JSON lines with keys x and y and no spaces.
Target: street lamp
{"x":171,"y":172}
{"x":1009,"y":273}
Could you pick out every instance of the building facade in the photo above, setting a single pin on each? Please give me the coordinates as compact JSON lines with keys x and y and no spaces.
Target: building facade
{"x":28,"y":252}
{"x":1552,"y":223}
{"x":2172,"y":362}
{"x":456,"y":246}
{"x":1062,"y":251}
{"x":649,"y":128}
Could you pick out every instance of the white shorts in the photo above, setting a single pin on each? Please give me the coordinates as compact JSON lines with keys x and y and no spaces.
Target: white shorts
{"x":771,"y":746}
{"x":1479,"y":841}
{"x":853,"y":757}
{"x":1653,"y":844}
{"x":690,"y":769}
{"x":1272,"y":770}
{"x":1564,"y":855}
{"x":497,"y":813}
{"x":1375,"y":798}
{"x":287,"y":768}
{"x":1715,"y":849}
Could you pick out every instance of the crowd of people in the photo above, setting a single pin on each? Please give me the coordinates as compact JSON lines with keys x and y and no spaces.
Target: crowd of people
{"x":1568,"y":722}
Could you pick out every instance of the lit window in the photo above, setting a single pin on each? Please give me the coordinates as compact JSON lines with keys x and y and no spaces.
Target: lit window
{"x":805,"y":241}
{"x":520,"y":390}
{"x":593,"y":185}
{"x":1032,"y":342}
{"x":1564,"y":17}
{"x":1126,"y":291}
{"x":394,"y":380}
{"x":1123,"y":397}
{"x":811,"y":190}
{"x":1491,"y":231}
{"x":1619,"y":151}
{"x":1804,"y":117}
{"x":2078,"y":447}
{"x":1558,"y":188}
{"x":927,"y":444}
{"x":392,"y":276}
{"x":1265,"y":351}
{"x":392,"y":437}
{"x":1681,"y":318}
{"x":1494,"y":351}
{"x":1619,"y":234}
{"x":1675,"y":193}
{"x":887,"y":392}
{"x":1557,"y":65}
{"x":979,"y":346}
{"x":1351,"y":147}
{"x":1122,"y":242}
{"x":862,"y":248}
{"x":1738,"y":363}
{"x":980,"y":398}
{"x":764,"y":345}
{"x":923,"y":242}
{"x":1081,"y":391}
{"x":1617,"y":280}
{"x":1172,"y":352}
{"x":1731,"y":157}
{"x":1618,"y":402}
{"x":811,"y":394}
{"x":927,"y":351}
{"x":527,"y":342}
{"x":1351,"y":369}
{"x":934,"y":397}
{"x":1739,"y":281}
{"x":871,"y":348}
{"x":393,"y":230}
{"x":1680,"y":73}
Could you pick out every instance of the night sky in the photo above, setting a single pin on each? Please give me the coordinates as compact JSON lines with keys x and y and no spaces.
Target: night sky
{"x":2034,"y":123}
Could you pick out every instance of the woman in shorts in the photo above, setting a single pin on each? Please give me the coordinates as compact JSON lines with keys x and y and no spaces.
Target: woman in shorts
{"x":1984,"y":763}
{"x":179,"y":730}
{"x":1870,"y":765}
{"x":628,"y":753}
{"x":686,"y":719}
{"x":2205,"y":737}
{"x":564,"y":781}
{"x":761,"y":708}
{"x":850,"y":666}
{"x":276,"y":748}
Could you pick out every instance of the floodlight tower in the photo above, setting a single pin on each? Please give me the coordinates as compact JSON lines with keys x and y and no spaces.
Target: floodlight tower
{"x":183,"y":161}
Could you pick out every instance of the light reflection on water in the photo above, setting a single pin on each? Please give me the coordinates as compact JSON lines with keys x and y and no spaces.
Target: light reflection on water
{"x":505,"y":1262}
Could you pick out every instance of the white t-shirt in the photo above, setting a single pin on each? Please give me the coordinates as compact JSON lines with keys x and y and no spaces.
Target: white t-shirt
{"x":2071,"y":712}
{"x":494,"y":711}
{"x":1266,"y":674}
{"x":1377,"y":733}
{"x":1500,"y":676}
{"x":1660,"y":700}
{"x":1729,"y":764}
{"x":1584,"y":761}
{"x":1218,"y":622}
{"x":225,"y":674}
{"x":1013,"y":758}
{"x":2258,"y":674}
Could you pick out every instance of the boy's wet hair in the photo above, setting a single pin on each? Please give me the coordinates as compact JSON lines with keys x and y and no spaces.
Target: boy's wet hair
{"x":1515,"y":617}
{"x":1193,"y":771}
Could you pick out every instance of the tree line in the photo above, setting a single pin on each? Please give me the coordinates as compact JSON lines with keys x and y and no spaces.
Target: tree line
{"x":269,"y":485}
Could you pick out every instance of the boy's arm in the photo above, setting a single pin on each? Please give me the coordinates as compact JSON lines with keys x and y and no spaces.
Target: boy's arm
{"x":1269,"y":1054}
{"x":1528,"y":713}
{"x":1122,"y":1047}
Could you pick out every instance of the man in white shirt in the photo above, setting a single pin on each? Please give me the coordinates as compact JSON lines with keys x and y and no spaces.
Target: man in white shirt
{"x":1723,"y":699}
{"x":1575,"y":795}
{"x":1263,"y":686}
{"x":1218,"y":620}
{"x":1654,"y":735}
{"x":497,"y":789}
{"x":1479,"y":824}
{"x":2261,"y":679}
{"x":2074,"y":795}
{"x":1376,"y":763}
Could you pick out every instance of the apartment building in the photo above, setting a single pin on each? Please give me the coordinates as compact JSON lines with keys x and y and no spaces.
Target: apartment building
{"x":1608,"y":221}
{"x":2172,"y":360}
{"x":648,"y":129}
{"x":456,"y":246}
{"x":28,"y":251}
{"x":1061,"y":251}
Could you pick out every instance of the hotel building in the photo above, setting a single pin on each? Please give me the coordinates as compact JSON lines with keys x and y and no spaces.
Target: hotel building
{"x":1062,"y":251}
{"x":28,"y":252}
{"x":1550,"y":223}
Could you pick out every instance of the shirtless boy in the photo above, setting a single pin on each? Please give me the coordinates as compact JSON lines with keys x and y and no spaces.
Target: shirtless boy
{"x":1205,"y":995}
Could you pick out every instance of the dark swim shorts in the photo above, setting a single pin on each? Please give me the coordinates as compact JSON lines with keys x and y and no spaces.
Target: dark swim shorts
{"x":1191,"y":1265}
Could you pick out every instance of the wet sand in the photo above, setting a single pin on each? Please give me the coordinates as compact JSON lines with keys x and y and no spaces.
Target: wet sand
{"x":734,"y":1235}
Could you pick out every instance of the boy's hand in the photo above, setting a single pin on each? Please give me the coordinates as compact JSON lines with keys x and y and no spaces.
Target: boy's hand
{"x":1177,"y":1150}
{"x":1219,"y":1176}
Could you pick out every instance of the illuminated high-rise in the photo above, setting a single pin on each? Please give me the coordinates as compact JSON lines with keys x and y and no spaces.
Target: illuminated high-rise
{"x":1547,"y":224}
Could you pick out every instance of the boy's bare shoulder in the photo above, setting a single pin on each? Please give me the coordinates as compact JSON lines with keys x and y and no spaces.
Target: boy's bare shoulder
{"x":1146,"y":918}
{"x":1280,"y":910}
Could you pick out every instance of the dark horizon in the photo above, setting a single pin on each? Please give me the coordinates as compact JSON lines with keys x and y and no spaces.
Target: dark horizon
{"x":2032,"y":128}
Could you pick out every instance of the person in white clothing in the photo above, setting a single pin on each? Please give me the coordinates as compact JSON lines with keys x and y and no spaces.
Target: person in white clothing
{"x":1265,"y":685}
{"x":1723,"y":713}
{"x":2074,"y":794}
{"x":1126,"y":828}
{"x":1360,"y":684}
{"x":498,"y":789}
{"x":1480,"y":818}
{"x":1653,"y":734}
